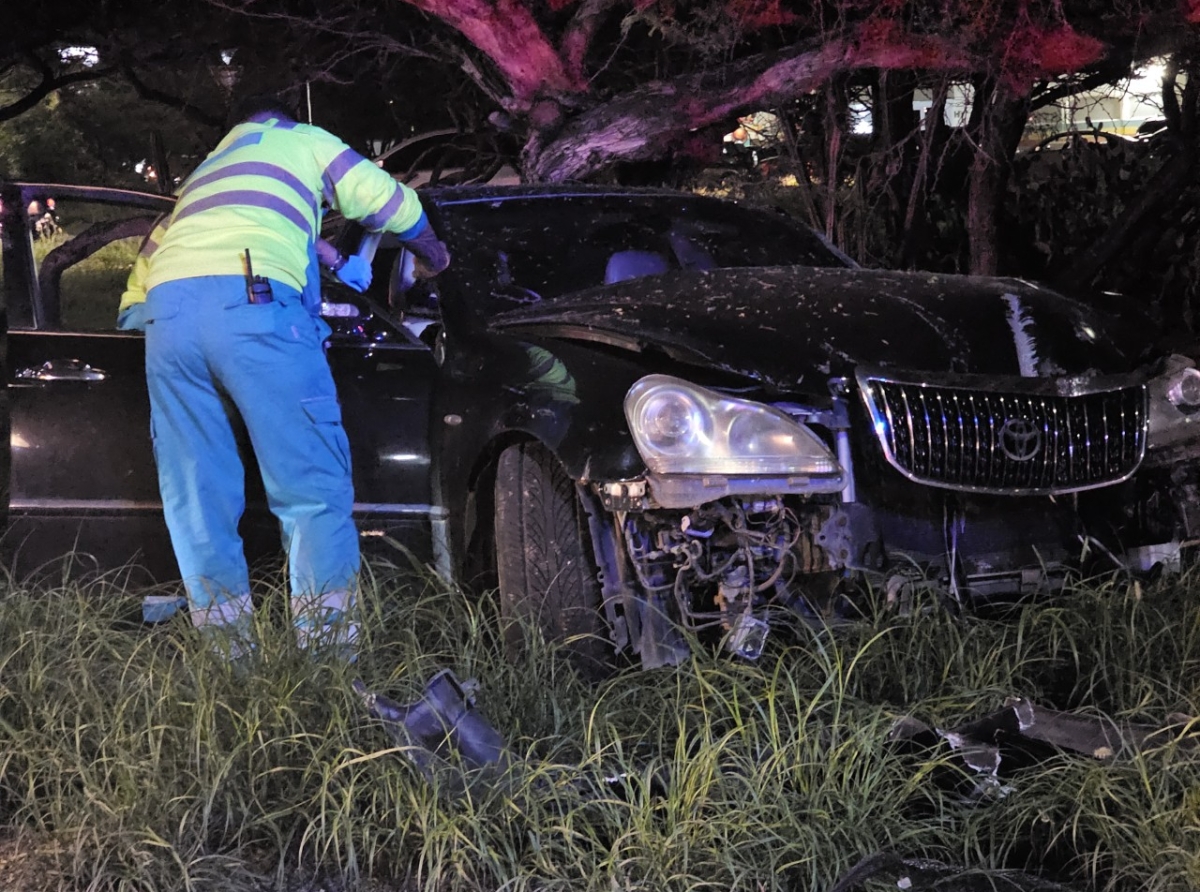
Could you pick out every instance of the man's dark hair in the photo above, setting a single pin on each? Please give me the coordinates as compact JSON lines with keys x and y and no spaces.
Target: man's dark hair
{"x":247,"y":107}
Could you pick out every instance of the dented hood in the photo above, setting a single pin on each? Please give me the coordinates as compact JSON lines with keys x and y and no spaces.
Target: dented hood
{"x":780,"y":324}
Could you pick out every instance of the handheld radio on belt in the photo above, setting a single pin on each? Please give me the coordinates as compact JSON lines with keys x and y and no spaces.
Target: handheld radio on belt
{"x":258,"y":288}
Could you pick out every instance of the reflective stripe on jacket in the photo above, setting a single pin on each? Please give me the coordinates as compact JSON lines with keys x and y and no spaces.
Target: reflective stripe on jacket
{"x":261,"y":189}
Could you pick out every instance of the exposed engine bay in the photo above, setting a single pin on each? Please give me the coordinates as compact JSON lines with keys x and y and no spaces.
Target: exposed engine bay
{"x":737,"y":565}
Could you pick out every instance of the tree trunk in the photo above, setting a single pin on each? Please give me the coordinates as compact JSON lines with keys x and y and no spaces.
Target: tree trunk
{"x":1001,"y":116}
{"x":915,"y":227}
{"x":982,"y":212}
{"x":644,"y":123}
{"x":894,"y":153}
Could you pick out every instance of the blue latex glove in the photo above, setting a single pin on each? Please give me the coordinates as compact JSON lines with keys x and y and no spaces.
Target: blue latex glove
{"x":356,"y":273}
{"x":132,"y":318}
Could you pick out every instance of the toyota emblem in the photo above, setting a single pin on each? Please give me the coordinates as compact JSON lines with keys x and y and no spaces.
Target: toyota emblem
{"x":1020,"y":439}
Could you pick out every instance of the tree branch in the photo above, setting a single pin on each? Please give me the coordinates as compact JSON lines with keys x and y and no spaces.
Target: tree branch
{"x":49,"y":83}
{"x":506,"y":32}
{"x":145,"y":91}
{"x":577,"y":39}
{"x":636,"y":125}
{"x":1109,"y":72}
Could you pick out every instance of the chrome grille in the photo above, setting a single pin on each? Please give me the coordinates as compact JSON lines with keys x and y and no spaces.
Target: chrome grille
{"x":988,"y":441}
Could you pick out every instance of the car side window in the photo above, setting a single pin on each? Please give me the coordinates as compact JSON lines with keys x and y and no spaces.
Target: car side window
{"x":83,"y":252}
{"x":523,"y":251}
{"x":531,"y":248}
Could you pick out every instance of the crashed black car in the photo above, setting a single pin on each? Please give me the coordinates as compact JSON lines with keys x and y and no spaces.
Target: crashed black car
{"x":640,"y":410}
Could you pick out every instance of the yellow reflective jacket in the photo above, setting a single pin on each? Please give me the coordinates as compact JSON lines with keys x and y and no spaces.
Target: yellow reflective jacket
{"x":261,"y":189}
{"x":135,"y":287}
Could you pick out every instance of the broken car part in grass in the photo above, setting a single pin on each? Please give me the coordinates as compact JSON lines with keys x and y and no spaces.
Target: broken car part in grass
{"x":440,"y":726}
{"x":443,"y":728}
{"x":459,"y":752}
{"x":993,"y":749}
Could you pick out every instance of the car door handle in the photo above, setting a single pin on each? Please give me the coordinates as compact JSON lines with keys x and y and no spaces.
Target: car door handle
{"x":63,"y":370}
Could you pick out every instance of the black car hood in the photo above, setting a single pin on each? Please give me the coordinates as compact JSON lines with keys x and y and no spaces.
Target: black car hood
{"x":782,"y":324}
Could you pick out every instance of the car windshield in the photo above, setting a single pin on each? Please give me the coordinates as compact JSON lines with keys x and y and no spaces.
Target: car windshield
{"x":537,"y":248}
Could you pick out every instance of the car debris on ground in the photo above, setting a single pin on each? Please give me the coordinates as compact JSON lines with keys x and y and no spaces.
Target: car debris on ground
{"x":442,"y":729}
{"x":1022,"y":733}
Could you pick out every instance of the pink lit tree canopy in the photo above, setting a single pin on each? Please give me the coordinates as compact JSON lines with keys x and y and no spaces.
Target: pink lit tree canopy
{"x":587,"y":88}
{"x":596,"y":81}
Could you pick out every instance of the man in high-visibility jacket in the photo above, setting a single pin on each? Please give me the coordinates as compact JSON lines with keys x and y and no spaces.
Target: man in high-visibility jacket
{"x":217,"y":340}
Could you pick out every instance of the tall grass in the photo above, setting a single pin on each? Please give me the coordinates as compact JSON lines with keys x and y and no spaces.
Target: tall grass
{"x":133,"y":759}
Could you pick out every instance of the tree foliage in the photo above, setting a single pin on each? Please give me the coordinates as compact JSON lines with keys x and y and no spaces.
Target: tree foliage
{"x":586,"y":84}
{"x":592,"y":87}
{"x":594,"y":82}
{"x":636,"y":88}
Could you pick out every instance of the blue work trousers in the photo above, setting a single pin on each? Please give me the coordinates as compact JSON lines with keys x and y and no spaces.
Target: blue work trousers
{"x":210,"y":353}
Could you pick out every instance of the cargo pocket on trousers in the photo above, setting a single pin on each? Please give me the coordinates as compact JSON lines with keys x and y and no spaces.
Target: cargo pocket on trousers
{"x":326,"y":416}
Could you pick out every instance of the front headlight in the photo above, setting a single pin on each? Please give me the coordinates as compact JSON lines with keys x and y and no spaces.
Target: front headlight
{"x":1183,"y":390}
{"x":680,"y":428}
{"x":1174,"y":404}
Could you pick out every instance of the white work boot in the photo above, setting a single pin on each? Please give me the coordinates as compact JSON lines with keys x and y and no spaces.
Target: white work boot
{"x":327,"y":623}
{"x":226,"y":626}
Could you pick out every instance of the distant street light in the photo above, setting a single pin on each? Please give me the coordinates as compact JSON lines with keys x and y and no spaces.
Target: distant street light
{"x":226,"y":74}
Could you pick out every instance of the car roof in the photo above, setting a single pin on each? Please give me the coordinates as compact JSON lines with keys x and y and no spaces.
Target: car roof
{"x":440,"y":194}
{"x":107,"y":194}
{"x":464,"y":194}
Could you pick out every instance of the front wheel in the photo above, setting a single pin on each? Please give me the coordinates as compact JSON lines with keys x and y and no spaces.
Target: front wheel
{"x":545,"y":563}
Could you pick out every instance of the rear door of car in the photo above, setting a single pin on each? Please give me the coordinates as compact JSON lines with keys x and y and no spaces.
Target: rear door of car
{"x":83,"y":481}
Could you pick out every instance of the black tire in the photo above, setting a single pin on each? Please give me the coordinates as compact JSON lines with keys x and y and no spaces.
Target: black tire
{"x":545,"y":564}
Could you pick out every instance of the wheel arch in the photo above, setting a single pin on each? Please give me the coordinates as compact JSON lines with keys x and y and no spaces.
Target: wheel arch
{"x":475,"y":560}
{"x":478,"y":501}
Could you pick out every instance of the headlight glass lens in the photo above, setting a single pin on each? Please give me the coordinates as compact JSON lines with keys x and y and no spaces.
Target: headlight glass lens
{"x":1184,"y":389}
{"x":680,"y":428}
{"x":674,"y":422}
